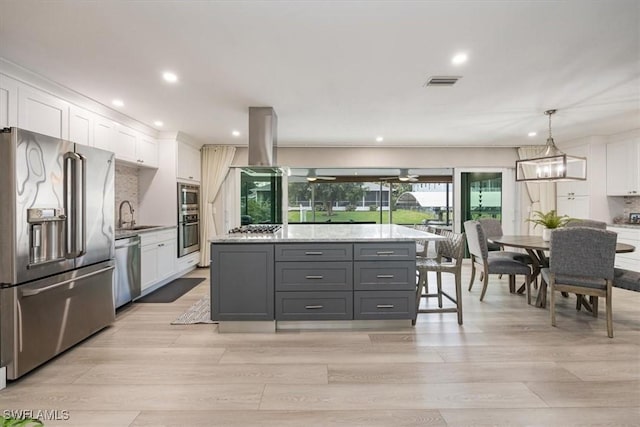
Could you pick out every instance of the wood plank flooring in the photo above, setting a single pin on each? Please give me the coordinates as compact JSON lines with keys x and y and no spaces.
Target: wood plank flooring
{"x":505,"y":366}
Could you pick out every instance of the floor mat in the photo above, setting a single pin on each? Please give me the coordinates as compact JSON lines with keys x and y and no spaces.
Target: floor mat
{"x":197,"y":313}
{"x":172,"y":291}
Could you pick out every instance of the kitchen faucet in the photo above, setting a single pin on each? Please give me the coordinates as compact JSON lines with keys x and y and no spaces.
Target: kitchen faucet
{"x":120,"y":221}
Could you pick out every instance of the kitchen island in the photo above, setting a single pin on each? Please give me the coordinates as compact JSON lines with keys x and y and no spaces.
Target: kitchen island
{"x":341,"y":274}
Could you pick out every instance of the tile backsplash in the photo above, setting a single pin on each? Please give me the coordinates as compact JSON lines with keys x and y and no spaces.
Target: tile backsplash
{"x":126,"y":188}
{"x":631,"y":204}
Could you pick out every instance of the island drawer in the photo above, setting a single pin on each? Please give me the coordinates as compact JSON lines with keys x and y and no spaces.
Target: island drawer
{"x":384,"y":305}
{"x":384,"y":276}
{"x":314,"y":305}
{"x":314,"y":276}
{"x":314,"y":252}
{"x":384,"y":251}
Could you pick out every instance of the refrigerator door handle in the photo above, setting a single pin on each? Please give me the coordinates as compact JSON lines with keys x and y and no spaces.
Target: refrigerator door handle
{"x":81,"y":223}
{"x":75,"y":204}
{"x":30,"y":293}
{"x":70,"y":203}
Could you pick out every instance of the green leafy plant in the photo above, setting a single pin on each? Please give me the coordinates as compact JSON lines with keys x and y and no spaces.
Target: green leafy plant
{"x":20,"y":422}
{"x":550,"y":220}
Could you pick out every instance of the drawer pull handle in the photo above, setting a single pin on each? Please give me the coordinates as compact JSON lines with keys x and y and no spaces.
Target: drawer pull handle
{"x":313,"y":253}
{"x":314,"y":277}
{"x":384,"y":306}
{"x":313,"y":307}
{"x":385,"y":276}
{"x":385,"y":252}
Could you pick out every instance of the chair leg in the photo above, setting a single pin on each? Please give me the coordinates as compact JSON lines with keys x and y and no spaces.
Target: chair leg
{"x":578,"y":302}
{"x":459,"y":297}
{"x":485,"y":282}
{"x":594,"y":306}
{"x":552,"y":308}
{"x":528,"y":285}
{"x":473,"y":272}
{"x":512,"y":283}
{"x":609,"y":312}
{"x":439,"y":279}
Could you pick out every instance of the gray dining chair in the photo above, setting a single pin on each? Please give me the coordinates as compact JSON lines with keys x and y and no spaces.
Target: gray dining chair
{"x":581,"y":261}
{"x":577,"y":222}
{"x":492,"y":227}
{"x":497,"y":262}
{"x":450,"y":253}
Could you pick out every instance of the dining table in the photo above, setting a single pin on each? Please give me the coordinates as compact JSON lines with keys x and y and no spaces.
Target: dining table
{"x":536,"y":247}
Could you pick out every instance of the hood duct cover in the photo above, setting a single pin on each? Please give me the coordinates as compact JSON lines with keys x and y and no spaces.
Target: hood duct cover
{"x":263,"y":136}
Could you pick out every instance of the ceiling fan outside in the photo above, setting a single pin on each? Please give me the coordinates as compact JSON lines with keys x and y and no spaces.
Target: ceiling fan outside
{"x":311,"y":176}
{"x":404,"y":176}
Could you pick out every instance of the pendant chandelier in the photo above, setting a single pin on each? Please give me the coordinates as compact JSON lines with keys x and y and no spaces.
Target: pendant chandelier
{"x":551,"y":164}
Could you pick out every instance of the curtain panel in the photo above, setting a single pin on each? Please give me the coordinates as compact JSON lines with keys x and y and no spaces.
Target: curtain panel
{"x":542,"y":195}
{"x":216,"y":160}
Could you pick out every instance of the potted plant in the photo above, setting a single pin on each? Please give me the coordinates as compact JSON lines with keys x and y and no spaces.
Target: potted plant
{"x":549,"y":220}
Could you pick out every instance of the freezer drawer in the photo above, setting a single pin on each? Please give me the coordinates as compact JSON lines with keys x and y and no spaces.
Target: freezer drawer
{"x":43,"y":318}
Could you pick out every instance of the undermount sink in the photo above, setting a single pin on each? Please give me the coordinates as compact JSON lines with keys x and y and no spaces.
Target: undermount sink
{"x":137,"y":227}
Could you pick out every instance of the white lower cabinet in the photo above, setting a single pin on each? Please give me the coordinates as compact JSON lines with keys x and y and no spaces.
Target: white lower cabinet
{"x":631,"y":236}
{"x":158,"y":254}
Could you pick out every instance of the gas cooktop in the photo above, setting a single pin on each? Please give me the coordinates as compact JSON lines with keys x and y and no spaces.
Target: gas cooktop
{"x":256,"y":229}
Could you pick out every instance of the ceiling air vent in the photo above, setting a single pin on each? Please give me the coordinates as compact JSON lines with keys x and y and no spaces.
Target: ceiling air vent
{"x":442,"y":81}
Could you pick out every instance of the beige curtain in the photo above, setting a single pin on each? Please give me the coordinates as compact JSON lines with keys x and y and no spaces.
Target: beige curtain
{"x":216,"y":160}
{"x":542,"y":195}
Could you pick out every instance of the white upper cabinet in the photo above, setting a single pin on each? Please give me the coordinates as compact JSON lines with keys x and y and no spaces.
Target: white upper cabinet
{"x":81,"y":124}
{"x":104,"y":133}
{"x":8,"y":102}
{"x":576,"y":188}
{"x":40,"y":112}
{"x":623,"y":168}
{"x":125,"y":144}
{"x":147,"y":151}
{"x":188,"y":167}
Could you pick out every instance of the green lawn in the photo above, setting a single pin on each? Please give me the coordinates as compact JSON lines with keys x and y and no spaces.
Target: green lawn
{"x":399,"y":216}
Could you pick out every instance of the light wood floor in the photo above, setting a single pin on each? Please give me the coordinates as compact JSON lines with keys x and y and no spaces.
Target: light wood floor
{"x":505,"y":366}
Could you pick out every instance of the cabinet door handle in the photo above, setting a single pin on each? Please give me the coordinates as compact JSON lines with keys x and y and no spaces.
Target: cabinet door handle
{"x":384,"y":306}
{"x":385,"y":252}
{"x":313,"y":307}
{"x":314,"y":277}
{"x":385,"y":276}
{"x":313,"y":253}
{"x":160,"y":244}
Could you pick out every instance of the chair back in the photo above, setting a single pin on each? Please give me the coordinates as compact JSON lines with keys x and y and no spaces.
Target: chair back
{"x":476,"y":240}
{"x":587,"y":223}
{"x":583,"y":252}
{"x":452,"y":247}
{"x":491,"y":227}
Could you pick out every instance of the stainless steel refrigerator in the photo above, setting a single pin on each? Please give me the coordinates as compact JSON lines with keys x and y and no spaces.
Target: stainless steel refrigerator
{"x":56,"y":247}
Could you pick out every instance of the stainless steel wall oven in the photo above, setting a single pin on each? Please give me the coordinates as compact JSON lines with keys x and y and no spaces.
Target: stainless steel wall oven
{"x":188,"y":218}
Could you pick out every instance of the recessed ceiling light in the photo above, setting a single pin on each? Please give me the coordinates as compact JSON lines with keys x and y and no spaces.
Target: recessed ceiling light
{"x":235,"y":133}
{"x":532,"y":134}
{"x":459,"y":58}
{"x":118,"y":102}
{"x":379,"y":139}
{"x":158,"y":123}
{"x":169,"y":77}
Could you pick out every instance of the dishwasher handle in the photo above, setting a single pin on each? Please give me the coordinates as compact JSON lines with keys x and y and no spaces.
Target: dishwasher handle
{"x":127,"y":245}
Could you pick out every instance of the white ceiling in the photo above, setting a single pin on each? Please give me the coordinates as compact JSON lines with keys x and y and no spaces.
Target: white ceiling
{"x":342,"y":73}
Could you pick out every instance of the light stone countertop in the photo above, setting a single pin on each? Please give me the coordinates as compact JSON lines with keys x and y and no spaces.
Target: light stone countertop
{"x":626,"y":225}
{"x":125,"y":232}
{"x":331,"y":233}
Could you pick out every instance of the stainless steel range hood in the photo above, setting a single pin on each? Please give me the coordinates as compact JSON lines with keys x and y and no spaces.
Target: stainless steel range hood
{"x":263,"y":136}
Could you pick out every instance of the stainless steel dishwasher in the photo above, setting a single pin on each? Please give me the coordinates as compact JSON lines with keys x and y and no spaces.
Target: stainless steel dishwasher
{"x":126,"y":286}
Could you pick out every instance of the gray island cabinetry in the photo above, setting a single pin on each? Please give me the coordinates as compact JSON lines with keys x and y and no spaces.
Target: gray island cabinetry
{"x":316,"y":273}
